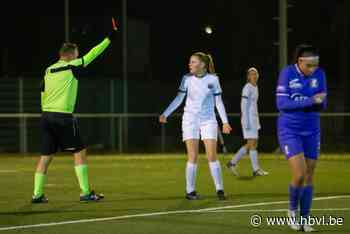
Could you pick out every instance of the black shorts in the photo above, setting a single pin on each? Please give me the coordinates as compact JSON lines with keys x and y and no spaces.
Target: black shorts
{"x":60,"y":132}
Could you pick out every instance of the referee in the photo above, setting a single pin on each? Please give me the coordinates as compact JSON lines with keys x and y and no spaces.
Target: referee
{"x":59,"y":127}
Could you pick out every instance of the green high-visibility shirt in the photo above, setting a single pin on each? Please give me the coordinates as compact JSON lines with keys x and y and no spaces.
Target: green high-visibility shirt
{"x":60,"y":86}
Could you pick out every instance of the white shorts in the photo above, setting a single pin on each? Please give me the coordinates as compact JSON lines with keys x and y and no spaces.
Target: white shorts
{"x":199,"y":130}
{"x":251,"y":133}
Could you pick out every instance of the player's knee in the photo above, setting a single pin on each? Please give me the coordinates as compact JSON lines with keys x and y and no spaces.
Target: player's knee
{"x":192,"y":157}
{"x":192,"y":160}
{"x":299,"y":180}
{"x":43,"y":164}
{"x":79,"y":152}
{"x":80,"y":157}
{"x":251,"y":145}
{"x":308,"y":179}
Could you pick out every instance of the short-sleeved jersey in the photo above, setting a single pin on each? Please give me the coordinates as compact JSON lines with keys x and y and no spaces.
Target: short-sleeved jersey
{"x":200,"y":92}
{"x":249,"y":106}
{"x":294,"y":93}
{"x":60,"y":86}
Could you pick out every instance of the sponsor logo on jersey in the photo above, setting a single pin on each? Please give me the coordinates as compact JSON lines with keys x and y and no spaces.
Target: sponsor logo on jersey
{"x":298,"y":97}
{"x":314,"y":83}
{"x":294,"y":84}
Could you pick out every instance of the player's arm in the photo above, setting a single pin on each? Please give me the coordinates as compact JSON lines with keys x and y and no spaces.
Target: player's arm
{"x":323,"y":89}
{"x":176,"y":102}
{"x":245,"y":106}
{"x":221,"y":109}
{"x":283,"y":99}
{"x":91,"y":55}
{"x":94,"y":52}
{"x":219,"y":104}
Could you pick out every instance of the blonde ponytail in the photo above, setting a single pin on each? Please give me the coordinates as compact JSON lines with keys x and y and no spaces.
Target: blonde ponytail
{"x":210,"y":65}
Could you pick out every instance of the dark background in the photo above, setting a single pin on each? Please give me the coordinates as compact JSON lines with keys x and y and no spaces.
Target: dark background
{"x":163,"y":34}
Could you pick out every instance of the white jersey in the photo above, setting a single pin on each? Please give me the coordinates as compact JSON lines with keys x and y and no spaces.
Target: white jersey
{"x":200,"y":100}
{"x":249,"y":107}
{"x":203,"y":94}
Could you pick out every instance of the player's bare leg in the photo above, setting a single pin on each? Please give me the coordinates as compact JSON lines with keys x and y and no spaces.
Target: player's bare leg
{"x":40,"y":178}
{"x":215,"y":167}
{"x":192,"y":146}
{"x":80,"y":157}
{"x":43,"y":164}
{"x":81,"y":170}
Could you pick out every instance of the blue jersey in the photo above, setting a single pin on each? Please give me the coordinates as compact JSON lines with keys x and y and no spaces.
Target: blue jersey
{"x":298,"y":112}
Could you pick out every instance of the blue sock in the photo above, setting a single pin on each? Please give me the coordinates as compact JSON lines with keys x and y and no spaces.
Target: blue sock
{"x":294,"y":197}
{"x":306,"y":200}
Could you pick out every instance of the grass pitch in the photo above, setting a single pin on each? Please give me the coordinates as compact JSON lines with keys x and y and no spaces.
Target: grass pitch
{"x":145,"y":194}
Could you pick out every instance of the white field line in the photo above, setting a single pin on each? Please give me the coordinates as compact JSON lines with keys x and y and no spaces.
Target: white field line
{"x":274,"y":210}
{"x":155,"y":214}
{"x":8,"y":171}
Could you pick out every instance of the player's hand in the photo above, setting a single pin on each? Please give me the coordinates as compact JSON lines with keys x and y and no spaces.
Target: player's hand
{"x":162,"y":119}
{"x":226,"y":128}
{"x":319,"y":98}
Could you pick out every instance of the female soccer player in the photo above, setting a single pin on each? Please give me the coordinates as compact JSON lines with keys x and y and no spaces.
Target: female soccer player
{"x":203,"y":91}
{"x":301,"y":95}
{"x":250,"y":124}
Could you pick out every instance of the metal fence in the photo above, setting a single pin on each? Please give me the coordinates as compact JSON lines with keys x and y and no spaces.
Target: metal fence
{"x":106,"y":129}
{"x":105,"y":132}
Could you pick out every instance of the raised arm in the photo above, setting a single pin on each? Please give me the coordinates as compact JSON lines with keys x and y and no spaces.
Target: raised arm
{"x":284,"y":100}
{"x":91,"y":55}
{"x":94,"y":52}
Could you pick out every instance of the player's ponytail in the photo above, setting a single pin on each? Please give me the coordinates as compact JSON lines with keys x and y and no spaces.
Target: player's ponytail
{"x":210,"y":65}
{"x":207,"y":59}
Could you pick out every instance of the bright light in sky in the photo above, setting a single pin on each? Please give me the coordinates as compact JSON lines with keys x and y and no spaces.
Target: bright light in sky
{"x":208,"y":30}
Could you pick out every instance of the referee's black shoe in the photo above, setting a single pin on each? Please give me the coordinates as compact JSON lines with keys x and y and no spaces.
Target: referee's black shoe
{"x":41,"y":199}
{"x":221,"y":195}
{"x":192,"y":196}
{"x":91,"y":197}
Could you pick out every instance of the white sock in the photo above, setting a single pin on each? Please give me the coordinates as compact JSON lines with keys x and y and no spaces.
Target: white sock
{"x":254,"y":159}
{"x":240,"y":153}
{"x":215,"y":170}
{"x":191,"y":171}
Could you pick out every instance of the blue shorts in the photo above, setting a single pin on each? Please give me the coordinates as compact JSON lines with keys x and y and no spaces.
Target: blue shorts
{"x":292,"y":144}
